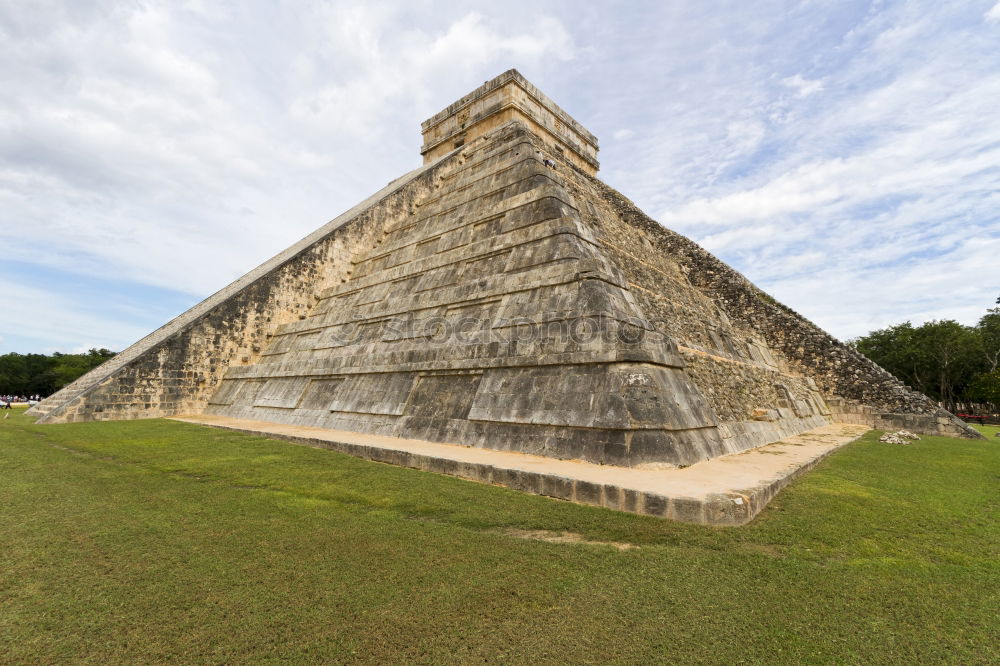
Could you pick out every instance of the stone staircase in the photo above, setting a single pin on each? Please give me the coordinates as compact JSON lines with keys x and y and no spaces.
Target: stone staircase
{"x":49,"y":410}
{"x":71,"y":392}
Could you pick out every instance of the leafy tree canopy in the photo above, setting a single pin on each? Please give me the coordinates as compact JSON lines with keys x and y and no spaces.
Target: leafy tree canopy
{"x":945,"y":360}
{"x":30,"y":374}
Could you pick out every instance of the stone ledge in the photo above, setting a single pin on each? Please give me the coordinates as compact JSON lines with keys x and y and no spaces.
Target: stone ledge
{"x":724,"y":491}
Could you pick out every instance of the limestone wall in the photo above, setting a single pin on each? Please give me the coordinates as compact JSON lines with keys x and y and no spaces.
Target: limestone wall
{"x":865,"y":392}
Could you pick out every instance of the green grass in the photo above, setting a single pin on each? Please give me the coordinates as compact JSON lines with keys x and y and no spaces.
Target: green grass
{"x":988,"y":430}
{"x":157,"y":541}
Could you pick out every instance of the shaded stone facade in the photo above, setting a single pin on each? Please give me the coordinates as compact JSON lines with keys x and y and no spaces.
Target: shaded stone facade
{"x":492,"y":299}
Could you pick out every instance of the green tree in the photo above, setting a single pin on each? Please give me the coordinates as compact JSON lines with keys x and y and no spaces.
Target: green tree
{"x":895,"y":349}
{"x":938,"y":358}
{"x":28,"y":374}
{"x":69,"y":367}
{"x":989,"y":332}
{"x":951,"y":351}
{"x":985,"y":388}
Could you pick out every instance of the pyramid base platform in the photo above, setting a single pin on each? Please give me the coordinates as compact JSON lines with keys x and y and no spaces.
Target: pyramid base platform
{"x":728,"y":490}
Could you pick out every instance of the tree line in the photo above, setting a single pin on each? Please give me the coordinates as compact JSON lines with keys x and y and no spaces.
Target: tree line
{"x":955,"y":364}
{"x":31,"y":374}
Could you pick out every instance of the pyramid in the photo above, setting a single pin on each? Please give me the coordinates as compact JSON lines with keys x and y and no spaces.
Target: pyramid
{"x":501,"y":296}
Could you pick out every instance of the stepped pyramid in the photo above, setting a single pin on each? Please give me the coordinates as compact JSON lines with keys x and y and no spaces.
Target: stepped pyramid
{"x":501,"y":296}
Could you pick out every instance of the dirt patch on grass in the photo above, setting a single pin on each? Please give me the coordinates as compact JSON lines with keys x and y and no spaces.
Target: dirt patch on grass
{"x":563,"y":537}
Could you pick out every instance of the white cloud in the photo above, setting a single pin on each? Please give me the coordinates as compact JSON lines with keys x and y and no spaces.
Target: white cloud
{"x":882,"y":295}
{"x":993,"y":14}
{"x":57,"y":323}
{"x":803,"y":87}
{"x":180,"y":147}
{"x":387,"y":73}
{"x":878,"y":205}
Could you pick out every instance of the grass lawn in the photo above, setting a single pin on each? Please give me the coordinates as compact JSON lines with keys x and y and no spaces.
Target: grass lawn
{"x":162,"y":541}
{"x":992,"y":432}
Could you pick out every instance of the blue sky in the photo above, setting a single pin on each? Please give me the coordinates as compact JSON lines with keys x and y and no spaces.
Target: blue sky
{"x":844,"y":156}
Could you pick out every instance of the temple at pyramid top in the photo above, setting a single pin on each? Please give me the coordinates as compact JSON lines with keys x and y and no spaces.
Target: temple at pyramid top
{"x":504,"y":98}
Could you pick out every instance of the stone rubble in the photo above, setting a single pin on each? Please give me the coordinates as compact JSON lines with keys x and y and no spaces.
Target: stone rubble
{"x":898,"y":437}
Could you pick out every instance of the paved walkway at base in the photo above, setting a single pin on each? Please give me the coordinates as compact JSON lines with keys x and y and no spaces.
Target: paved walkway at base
{"x":729,"y":490}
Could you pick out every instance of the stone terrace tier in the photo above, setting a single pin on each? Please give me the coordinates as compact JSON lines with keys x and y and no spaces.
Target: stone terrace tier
{"x":488,"y":316}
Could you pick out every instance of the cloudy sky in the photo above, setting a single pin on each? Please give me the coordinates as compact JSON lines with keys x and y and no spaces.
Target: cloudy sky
{"x":844,"y":156}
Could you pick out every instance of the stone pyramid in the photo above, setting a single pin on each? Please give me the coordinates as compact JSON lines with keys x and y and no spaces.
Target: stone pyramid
{"x":501,"y":296}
